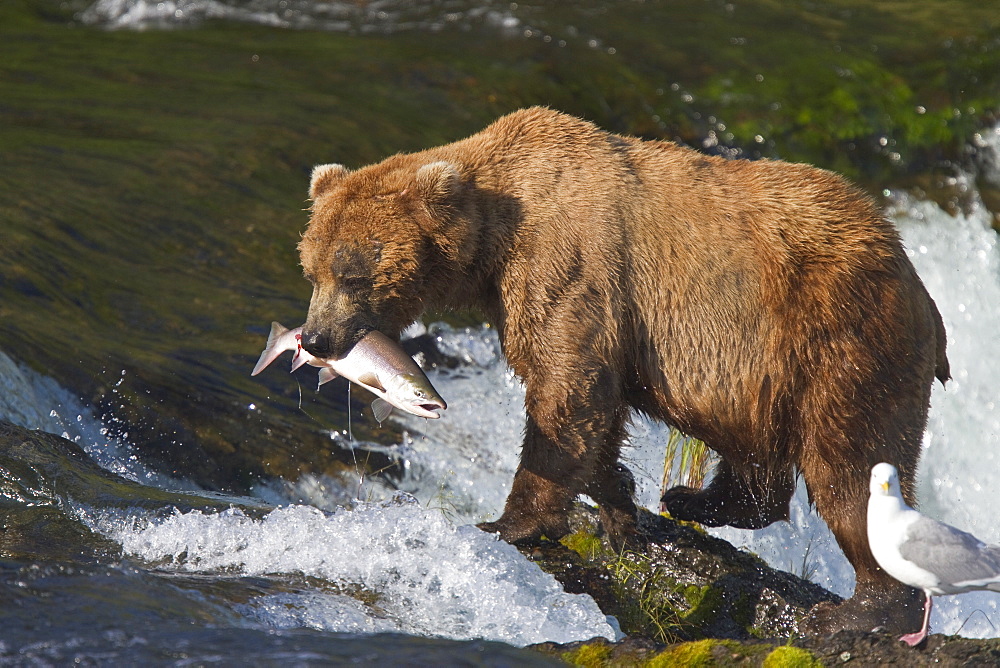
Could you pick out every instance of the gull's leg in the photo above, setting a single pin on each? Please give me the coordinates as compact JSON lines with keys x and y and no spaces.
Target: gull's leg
{"x":914,"y":639}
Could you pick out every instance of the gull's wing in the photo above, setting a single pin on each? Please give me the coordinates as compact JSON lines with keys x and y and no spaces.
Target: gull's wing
{"x":958,"y":559}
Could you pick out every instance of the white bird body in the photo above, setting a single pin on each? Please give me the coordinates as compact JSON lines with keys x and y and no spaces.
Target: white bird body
{"x":922,"y":552}
{"x":889,"y":520}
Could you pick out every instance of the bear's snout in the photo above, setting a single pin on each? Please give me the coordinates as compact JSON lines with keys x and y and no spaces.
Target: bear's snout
{"x":317,"y":344}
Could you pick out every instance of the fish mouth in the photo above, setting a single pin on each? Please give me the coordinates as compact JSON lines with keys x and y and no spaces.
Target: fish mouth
{"x":427,"y":410}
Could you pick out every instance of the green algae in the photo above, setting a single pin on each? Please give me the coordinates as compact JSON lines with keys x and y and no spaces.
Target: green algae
{"x":705,"y":653}
{"x":708,"y":652}
{"x":656,"y":605}
{"x":697,"y":654}
{"x":790,"y":657}
{"x":588,"y":656}
{"x":704,"y":604}
{"x":585,"y":543}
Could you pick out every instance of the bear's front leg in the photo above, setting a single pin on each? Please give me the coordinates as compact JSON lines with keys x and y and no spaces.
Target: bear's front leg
{"x":571,"y":445}
{"x":546,"y":482}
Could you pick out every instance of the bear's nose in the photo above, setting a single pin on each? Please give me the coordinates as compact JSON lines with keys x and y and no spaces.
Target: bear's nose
{"x":317,"y":344}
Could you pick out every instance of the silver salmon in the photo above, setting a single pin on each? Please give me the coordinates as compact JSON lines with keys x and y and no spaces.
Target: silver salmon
{"x":376,"y":363}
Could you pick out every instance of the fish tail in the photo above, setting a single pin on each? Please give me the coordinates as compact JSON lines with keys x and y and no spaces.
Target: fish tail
{"x":271,"y":350}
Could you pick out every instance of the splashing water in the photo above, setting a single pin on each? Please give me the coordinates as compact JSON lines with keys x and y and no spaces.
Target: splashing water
{"x":466,"y":463}
{"x":422,"y":574}
{"x":31,"y":400}
{"x":384,"y":17}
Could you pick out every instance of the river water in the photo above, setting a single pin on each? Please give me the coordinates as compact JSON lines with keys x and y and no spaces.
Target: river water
{"x":357,"y":568}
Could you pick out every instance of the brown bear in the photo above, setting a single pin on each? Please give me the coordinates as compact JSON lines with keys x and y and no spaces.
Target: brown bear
{"x":764,"y":307}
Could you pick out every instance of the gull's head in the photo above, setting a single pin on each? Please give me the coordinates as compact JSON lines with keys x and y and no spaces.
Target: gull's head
{"x":884,"y":480}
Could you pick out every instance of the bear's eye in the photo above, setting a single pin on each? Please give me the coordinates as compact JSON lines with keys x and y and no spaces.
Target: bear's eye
{"x":355,"y":283}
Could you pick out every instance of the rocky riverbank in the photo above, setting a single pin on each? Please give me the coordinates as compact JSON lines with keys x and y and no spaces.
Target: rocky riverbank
{"x":684,"y":599}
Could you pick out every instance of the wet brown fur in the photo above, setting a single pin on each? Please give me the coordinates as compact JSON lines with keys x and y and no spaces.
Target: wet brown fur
{"x":764,"y":307}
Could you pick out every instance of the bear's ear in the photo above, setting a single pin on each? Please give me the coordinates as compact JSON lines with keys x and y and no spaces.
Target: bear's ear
{"x":437,"y":181}
{"x":324,"y":176}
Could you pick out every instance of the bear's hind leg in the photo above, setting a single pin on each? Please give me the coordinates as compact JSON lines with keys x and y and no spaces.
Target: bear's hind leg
{"x":745,"y":500}
{"x":841,"y":498}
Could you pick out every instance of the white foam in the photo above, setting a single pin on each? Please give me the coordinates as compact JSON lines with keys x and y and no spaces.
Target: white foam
{"x":382,"y":16}
{"x":141,"y":14}
{"x":425,"y":575}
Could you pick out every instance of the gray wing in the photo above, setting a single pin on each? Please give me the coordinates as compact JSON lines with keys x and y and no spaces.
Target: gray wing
{"x":954,"y":556}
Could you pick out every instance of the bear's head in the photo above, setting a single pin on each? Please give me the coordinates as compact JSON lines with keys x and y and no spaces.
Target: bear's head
{"x":381,"y":241}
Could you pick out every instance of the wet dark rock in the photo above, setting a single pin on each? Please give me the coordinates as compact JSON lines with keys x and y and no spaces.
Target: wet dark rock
{"x":856,"y":648}
{"x":424,"y":349}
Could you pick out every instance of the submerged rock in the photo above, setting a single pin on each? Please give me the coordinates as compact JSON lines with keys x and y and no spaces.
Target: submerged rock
{"x":42,"y":475}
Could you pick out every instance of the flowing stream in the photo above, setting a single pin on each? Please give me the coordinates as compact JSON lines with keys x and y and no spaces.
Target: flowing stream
{"x":390,"y":563}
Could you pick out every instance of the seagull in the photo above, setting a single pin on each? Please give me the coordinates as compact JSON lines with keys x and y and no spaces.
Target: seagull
{"x":924,"y":553}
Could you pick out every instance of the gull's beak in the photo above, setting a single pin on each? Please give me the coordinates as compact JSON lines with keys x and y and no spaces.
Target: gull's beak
{"x":885,"y":486}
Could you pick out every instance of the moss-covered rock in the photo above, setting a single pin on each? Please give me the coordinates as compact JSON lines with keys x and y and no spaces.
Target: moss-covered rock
{"x":790,"y":657}
{"x":698,"y":654}
{"x":682,"y":585}
{"x":687,"y":599}
{"x":588,"y":655}
{"x":848,"y":648}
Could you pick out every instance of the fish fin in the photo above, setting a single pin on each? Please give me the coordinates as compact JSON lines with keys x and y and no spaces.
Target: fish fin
{"x":382,"y":410}
{"x":271,"y":351}
{"x":326,"y":374}
{"x":299,"y":359}
{"x":371,"y":380}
